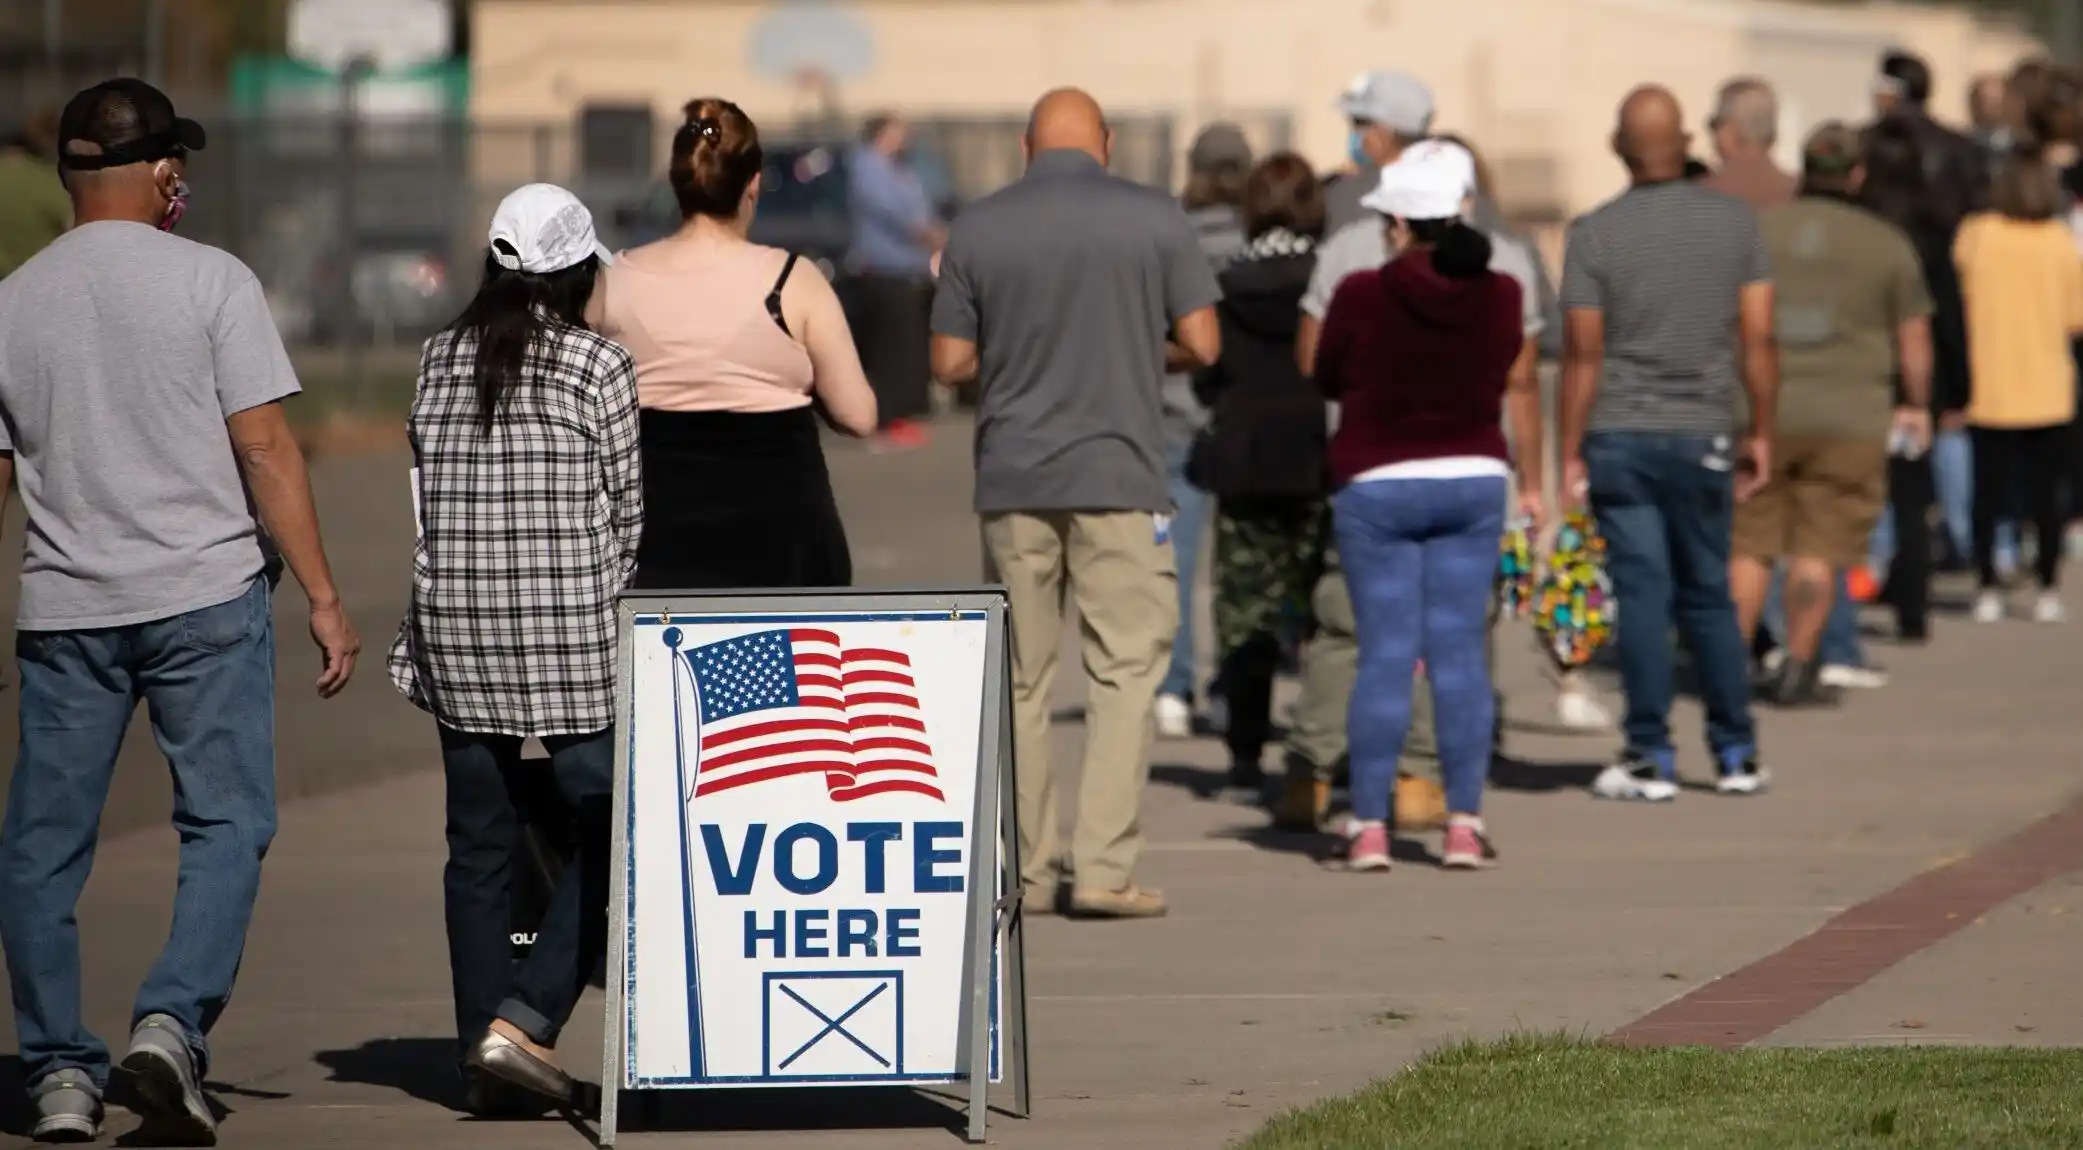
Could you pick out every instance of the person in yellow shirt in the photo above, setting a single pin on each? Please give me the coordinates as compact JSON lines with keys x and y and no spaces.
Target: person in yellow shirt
{"x":34,"y":209}
{"x":2022,"y":281}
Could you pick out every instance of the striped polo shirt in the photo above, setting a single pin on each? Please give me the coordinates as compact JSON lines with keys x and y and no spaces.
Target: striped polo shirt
{"x":1664,"y":264}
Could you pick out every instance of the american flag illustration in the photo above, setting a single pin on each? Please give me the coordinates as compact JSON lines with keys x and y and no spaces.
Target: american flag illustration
{"x":776,"y":704}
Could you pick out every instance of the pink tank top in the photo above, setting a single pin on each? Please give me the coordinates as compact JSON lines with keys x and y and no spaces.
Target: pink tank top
{"x":705,"y":340}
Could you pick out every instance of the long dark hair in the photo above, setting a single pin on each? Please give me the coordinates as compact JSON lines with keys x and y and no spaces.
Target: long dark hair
{"x":511,"y":311}
{"x":1458,"y":251}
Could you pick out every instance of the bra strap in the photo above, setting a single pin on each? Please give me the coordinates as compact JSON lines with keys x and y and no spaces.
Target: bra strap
{"x":774,"y":294}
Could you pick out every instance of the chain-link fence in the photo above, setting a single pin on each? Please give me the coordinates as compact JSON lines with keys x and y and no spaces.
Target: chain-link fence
{"x":367,"y":233}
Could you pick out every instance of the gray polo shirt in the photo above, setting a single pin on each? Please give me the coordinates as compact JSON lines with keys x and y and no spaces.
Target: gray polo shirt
{"x":1664,"y":264}
{"x":1069,"y":282}
{"x":123,"y":350}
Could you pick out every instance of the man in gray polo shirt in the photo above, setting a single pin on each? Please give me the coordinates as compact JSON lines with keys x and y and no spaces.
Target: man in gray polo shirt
{"x":1669,"y":310}
{"x":1064,"y":298}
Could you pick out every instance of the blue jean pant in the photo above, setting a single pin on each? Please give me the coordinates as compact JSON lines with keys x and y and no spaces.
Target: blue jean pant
{"x":1664,"y":504}
{"x":1840,"y":646}
{"x":207,"y":678}
{"x":1420,"y":556}
{"x":1191,"y":509}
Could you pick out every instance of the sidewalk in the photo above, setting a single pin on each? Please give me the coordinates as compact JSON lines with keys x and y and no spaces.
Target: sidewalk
{"x":1271,"y":984}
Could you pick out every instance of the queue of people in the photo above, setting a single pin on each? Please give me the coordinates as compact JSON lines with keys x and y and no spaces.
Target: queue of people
{"x":1754,"y":368}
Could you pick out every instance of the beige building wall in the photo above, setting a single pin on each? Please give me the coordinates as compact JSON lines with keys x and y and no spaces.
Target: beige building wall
{"x":1532,"y":82}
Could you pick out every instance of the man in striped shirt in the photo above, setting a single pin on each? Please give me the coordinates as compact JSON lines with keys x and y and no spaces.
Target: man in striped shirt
{"x":1667,"y":305}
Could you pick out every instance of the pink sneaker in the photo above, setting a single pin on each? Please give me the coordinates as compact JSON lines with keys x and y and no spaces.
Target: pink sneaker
{"x":1467,"y":846}
{"x":1367,"y":847}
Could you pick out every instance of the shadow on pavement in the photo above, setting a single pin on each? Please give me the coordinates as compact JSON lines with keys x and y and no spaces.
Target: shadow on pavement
{"x":424,"y":1068}
{"x":1510,"y":774}
{"x":780,"y":1110}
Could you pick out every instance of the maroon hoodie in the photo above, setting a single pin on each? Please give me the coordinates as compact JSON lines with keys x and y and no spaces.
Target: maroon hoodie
{"x":1418,"y":363}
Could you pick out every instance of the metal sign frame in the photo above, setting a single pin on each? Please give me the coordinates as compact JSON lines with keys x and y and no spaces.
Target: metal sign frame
{"x":994,"y":859}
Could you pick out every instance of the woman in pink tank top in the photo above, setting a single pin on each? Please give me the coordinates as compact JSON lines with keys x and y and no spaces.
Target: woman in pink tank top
{"x":738,"y":347}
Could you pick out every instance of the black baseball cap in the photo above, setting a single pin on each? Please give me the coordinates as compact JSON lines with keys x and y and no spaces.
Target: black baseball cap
{"x":130,"y":121}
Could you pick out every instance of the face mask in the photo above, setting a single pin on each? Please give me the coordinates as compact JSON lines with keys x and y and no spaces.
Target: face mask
{"x":176,"y":207}
{"x":1356,"y":149}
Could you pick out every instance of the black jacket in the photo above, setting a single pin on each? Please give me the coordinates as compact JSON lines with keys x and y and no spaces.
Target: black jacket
{"x":1265,"y":435}
{"x":1956,"y":169}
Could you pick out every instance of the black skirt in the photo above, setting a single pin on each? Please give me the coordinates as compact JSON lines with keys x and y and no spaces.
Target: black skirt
{"x":738,"y":501}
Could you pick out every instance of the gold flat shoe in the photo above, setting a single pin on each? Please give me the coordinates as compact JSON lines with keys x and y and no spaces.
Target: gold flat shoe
{"x":508,"y":1061}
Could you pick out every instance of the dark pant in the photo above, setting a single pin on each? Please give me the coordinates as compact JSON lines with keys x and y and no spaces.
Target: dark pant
{"x":1421,"y":558}
{"x":1910,"y":495}
{"x":208,"y":680}
{"x":2039,"y":456}
{"x":483,"y":832}
{"x":1664,"y":504}
{"x":890,"y":326}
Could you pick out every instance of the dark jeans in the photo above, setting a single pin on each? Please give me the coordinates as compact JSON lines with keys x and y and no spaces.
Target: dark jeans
{"x":1421,"y":557}
{"x":483,"y":831}
{"x":890,"y":326}
{"x":1664,"y":504}
{"x":208,"y":681}
{"x":2039,"y":456}
{"x":1911,"y":492}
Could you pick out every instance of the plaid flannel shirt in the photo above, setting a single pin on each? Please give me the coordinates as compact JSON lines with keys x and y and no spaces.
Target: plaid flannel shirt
{"x":528,"y":533}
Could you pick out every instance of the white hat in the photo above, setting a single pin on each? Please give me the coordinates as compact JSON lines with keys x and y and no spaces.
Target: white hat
{"x":1429,"y":181}
{"x":544,"y":229}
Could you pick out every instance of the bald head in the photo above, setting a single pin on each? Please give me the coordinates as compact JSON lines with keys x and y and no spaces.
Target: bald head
{"x":1068,"y":118}
{"x":1650,"y":137}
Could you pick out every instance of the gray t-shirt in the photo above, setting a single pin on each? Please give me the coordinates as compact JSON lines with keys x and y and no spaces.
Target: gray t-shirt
{"x":1665,"y":263}
{"x":1069,"y":281}
{"x":1363,"y":246}
{"x":123,"y":350}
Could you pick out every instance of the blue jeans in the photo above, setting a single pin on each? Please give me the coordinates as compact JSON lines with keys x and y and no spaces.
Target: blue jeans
{"x":1953,"y":473}
{"x":1840,"y":646}
{"x":1191,"y":508}
{"x":1420,"y":556}
{"x":208,"y":681}
{"x":489,"y":788}
{"x":1664,"y":504}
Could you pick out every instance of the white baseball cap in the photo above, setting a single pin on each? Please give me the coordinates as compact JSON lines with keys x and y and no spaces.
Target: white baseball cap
{"x":1431,"y":180}
{"x":542,"y":228}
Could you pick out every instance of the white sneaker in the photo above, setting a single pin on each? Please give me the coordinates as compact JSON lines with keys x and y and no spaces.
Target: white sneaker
{"x":1846,"y":677}
{"x":1579,"y":711}
{"x":2049,"y":609}
{"x":1174,"y":717}
{"x":1635,"y":782}
{"x":1988,"y":607}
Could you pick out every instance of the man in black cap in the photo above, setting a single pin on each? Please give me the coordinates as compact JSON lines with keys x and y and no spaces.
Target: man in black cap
{"x":1954,"y":167}
{"x":141,"y":381}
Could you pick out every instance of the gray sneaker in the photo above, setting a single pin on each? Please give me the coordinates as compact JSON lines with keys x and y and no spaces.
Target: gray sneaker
{"x":169,"y":1096}
{"x":68,"y":1108}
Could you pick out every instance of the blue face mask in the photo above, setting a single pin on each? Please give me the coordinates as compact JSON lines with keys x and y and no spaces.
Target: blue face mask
{"x":1356,"y":148}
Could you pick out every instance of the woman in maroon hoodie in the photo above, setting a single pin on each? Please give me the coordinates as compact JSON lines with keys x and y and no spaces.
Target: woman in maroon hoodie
{"x":1422,"y":356}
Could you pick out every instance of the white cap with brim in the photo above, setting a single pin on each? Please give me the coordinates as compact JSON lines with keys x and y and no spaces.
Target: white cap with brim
{"x":542,"y":228}
{"x":1431,"y":180}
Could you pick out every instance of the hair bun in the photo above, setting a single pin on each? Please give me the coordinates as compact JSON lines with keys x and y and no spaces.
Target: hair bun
{"x":702,"y":127}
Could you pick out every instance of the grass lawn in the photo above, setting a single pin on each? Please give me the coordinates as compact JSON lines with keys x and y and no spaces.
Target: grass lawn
{"x":1558,"y":1092}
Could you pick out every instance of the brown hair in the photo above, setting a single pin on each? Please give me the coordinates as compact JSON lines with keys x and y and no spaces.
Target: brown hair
{"x":1283,"y":192}
{"x":1221,"y":185}
{"x":716,"y":156}
{"x":2025,"y":187}
{"x":2046,"y":101}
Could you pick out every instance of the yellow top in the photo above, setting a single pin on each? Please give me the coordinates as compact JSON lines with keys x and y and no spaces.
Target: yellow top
{"x":2022,"y":281}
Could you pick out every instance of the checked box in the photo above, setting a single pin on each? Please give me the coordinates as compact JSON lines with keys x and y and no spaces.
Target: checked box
{"x":833,"y":1024}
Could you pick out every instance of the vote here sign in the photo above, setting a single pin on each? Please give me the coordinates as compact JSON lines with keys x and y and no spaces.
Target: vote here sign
{"x":801,"y":828}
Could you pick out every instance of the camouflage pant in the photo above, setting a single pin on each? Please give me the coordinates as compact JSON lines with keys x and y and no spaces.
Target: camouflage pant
{"x":1268,"y":555}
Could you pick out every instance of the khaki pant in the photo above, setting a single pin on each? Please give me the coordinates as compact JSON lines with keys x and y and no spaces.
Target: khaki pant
{"x":1118,"y":571}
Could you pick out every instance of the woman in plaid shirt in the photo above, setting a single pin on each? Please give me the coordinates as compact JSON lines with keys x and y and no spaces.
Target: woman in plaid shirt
{"x":529,"y":490}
